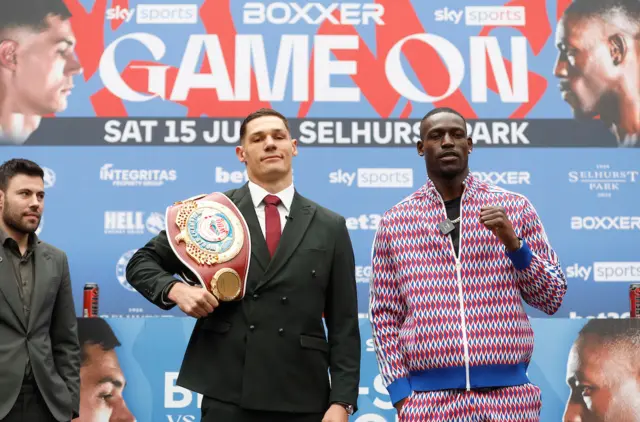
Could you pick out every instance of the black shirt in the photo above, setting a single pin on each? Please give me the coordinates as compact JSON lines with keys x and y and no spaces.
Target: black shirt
{"x":453,"y":212}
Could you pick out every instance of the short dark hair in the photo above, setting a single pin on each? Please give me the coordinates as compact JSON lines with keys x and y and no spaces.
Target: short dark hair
{"x":620,"y":334}
{"x":605,"y":8}
{"x":12,"y":168}
{"x":30,"y":13}
{"x":93,"y":331}
{"x":441,"y":110}
{"x":261,"y":113}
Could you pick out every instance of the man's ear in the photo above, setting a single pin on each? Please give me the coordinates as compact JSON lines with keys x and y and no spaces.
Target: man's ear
{"x":420,"y":148}
{"x":240,"y":154}
{"x":8,"y":54}
{"x":617,"y":48}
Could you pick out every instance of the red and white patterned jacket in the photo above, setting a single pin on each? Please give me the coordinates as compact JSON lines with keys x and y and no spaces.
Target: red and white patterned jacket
{"x":440,"y":322}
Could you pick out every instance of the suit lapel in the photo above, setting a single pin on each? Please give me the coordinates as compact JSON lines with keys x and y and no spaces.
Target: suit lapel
{"x":300,"y":216}
{"x":9,"y":287}
{"x":242,"y":199}
{"x":41,"y":282}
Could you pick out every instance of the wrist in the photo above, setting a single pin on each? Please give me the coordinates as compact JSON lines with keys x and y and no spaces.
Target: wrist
{"x":345,"y":406}
{"x":174,"y":289}
{"x":513,"y":244}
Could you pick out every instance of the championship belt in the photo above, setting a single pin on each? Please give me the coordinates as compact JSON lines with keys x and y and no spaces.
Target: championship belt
{"x":211,"y":238}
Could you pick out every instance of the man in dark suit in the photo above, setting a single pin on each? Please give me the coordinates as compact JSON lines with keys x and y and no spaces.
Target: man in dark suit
{"x":39,"y":350}
{"x":266,"y":357}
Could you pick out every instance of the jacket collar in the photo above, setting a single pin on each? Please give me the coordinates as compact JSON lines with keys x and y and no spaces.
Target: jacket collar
{"x":470,"y":183}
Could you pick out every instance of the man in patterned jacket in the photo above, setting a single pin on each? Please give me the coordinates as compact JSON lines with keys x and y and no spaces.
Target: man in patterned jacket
{"x":451,"y":265}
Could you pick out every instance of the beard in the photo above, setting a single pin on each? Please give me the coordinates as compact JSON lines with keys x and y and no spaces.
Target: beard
{"x":15,"y":221}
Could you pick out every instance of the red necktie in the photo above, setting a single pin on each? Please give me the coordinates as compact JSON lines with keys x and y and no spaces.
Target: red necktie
{"x":272,"y":222}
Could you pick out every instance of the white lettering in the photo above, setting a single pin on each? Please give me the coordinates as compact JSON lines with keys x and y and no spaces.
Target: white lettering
{"x":481,"y":47}
{"x":324,"y":67}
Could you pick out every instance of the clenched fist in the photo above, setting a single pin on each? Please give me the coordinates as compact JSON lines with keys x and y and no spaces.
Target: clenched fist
{"x":193,"y":301}
{"x":496,"y":220}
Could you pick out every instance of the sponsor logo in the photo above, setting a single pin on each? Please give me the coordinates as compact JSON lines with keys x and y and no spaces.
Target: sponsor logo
{"x":601,"y":315}
{"x":606,"y":271}
{"x":605,"y":223}
{"x":156,"y":14}
{"x":616,"y":271}
{"x":133,"y":222}
{"x":578,"y":271}
{"x":504,"y":177}
{"x":483,"y":15}
{"x":374,"y":177}
{"x":49,"y":177}
{"x":363,"y":274}
{"x":603,"y":180}
{"x":364,"y":222}
{"x":143,"y":177}
{"x":312,"y":13}
{"x":225,"y":176}
{"x":121,"y":269}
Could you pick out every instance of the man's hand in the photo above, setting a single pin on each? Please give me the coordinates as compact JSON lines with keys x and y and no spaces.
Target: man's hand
{"x":336,"y":413}
{"x":194,"y":301}
{"x":496,"y":220}
{"x":399,"y":405}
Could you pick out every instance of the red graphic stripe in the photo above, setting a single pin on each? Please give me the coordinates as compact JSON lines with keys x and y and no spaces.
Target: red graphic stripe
{"x":537,"y":31}
{"x":400,"y":21}
{"x":89,"y":31}
{"x":123,"y":4}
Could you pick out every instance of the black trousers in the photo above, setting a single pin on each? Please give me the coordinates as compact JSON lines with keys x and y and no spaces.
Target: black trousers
{"x":217,"y":411}
{"x":30,"y":406}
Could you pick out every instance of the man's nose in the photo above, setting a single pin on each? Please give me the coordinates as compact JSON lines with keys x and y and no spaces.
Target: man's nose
{"x":269,"y":142}
{"x":573,"y":412}
{"x":121,"y":413}
{"x":560,"y":67}
{"x":447,"y":140}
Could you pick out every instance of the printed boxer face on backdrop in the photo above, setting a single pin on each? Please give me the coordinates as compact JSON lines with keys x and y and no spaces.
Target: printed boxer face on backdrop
{"x":41,"y":65}
{"x":591,"y":64}
{"x":604,"y":383}
{"x":101,"y":386}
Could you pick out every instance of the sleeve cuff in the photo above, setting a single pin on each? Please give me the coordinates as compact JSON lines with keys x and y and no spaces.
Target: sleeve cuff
{"x":165,"y":294}
{"x":521,"y":258}
{"x":399,"y":389}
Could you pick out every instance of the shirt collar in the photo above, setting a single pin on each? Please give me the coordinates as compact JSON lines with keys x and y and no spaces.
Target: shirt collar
{"x":258,"y":193}
{"x":31,"y":243}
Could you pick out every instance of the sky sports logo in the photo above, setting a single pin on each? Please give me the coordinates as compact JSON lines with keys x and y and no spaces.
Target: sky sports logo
{"x":156,"y":14}
{"x":374,"y":177}
{"x":483,"y":15}
{"x":606,"y":272}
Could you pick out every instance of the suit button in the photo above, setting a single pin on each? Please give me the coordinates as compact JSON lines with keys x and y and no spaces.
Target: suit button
{"x":284,"y":300}
{"x":281,"y":331}
{"x":256,"y":296}
{"x":252,"y":327}
{"x":313,"y":273}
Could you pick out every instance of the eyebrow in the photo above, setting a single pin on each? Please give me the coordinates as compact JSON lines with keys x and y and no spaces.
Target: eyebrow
{"x":68,"y":41}
{"x":117,"y":383}
{"x":261,"y":132}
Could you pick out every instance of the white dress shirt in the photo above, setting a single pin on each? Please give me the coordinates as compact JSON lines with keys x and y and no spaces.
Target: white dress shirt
{"x":286,"y":198}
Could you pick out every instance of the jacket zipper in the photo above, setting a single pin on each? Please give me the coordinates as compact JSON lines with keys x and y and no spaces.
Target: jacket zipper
{"x":465,"y":341}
